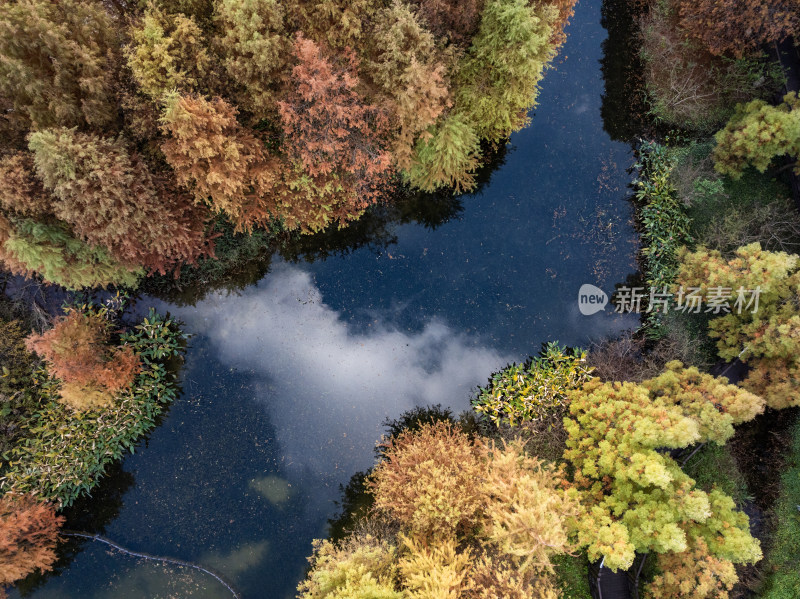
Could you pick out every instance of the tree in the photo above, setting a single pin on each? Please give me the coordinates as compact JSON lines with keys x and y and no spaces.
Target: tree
{"x":167,"y":52}
{"x":566,"y":9}
{"x":79,"y":353}
{"x":756,"y":134}
{"x":28,"y":247}
{"x":714,"y":404}
{"x":338,"y":24}
{"x":766,"y":335}
{"x":57,"y":61}
{"x":329,"y":128}
{"x":364,"y":568}
{"x":221,"y":163}
{"x":738,"y":27}
{"x":499,"y":77}
{"x":447,"y":157}
{"x":255,"y":50}
{"x":430,"y":481}
{"x":28,"y":536}
{"x":461,"y":517}
{"x":636,"y":498}
{"x":694,"y":573}
{"x":535,"y":389}
{"x":451,"y":20}
{"x":20,"y":192}
{"x":111,"y":200}
{"x":404,"y":65}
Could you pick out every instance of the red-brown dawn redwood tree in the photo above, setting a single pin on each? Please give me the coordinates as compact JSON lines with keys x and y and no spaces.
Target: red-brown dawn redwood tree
{"x":111,"y":199}
{"x":329,"y":128}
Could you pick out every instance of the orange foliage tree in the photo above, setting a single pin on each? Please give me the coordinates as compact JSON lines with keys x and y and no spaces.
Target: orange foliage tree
{"x":78,"y":351}
{"x":737,"y":27}
{"x":28,"y":536}
{"x":329,"y":128}
{"x":222,"y":163}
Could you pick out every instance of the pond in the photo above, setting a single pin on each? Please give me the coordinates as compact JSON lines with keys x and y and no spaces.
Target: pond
{"x":287,"y":381}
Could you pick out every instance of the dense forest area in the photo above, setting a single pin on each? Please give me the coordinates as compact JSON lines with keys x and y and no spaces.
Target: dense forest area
{"x":141,"y":141}
{"x":128,"y":128}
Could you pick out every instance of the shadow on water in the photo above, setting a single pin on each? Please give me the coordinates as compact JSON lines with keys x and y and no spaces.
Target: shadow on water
{"x":246,"y":259}
{"x":624,"y":107}
{"x":89,"y":514}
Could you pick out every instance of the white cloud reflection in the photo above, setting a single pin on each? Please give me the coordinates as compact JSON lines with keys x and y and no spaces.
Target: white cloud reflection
{"x":328,"y":387}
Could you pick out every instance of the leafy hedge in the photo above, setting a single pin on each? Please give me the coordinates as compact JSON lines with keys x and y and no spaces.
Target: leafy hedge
{"x":63,"y":452}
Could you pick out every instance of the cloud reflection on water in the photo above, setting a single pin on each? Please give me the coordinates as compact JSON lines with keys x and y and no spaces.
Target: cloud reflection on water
{"x":326,"y":385}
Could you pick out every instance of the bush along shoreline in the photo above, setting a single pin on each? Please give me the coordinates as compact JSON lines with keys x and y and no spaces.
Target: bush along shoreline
{"x":94,"y":392}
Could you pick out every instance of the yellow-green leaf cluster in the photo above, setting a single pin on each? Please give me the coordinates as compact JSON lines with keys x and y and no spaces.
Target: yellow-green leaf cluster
{"x":635,"y":496}
{"x":766,"y":336}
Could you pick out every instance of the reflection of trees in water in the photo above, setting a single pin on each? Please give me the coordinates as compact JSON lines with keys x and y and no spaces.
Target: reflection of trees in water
{"x":624,"y":110}
{"x":245,"y":259}
{"x":90,"y":514}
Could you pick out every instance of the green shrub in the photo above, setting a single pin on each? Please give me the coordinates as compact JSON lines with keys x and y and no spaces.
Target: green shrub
{"x":64,"y":453}
{"x":756,"y":134}
{"x":535,"y":389}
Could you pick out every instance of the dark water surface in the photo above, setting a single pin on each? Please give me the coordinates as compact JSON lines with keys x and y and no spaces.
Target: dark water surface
{"x":286,"y":382}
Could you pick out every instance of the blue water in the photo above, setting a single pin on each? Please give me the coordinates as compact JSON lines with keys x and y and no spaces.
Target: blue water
{"x":286,"y":382}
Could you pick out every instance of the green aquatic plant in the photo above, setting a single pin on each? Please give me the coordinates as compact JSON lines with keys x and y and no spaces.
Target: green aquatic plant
{"x":533,"y":389}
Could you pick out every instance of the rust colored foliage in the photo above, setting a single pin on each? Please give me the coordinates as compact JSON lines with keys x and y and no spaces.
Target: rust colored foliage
{"x":330,"y":130}
{"x":28,"y":536}
{"x":694,"y":573}
{"x":456,"y":20}
{"x":220,"y":162}
{"x":737,"y":27}
{"x":20,"y":192}
{"x":77,"y":350}
{"x":110,"y":198}
{"x":566,"y":8}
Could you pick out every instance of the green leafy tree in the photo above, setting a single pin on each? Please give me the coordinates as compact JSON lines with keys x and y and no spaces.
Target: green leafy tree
{"x":364,"y":568}
{"x":255,"y":50}
{"x":535,"y":389}
{"x":111,"y":200}
{"x":499,"y":78}
{"x":756,"y":134}
{"x":447,"y":157}
{"x":57,"y":61}
{"x":167,"y":52}
{"x":404,"y":65}
{"x":50,"y":250}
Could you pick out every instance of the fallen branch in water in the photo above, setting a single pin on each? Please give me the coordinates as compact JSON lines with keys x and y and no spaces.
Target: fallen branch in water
{"x":167,"y":560}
